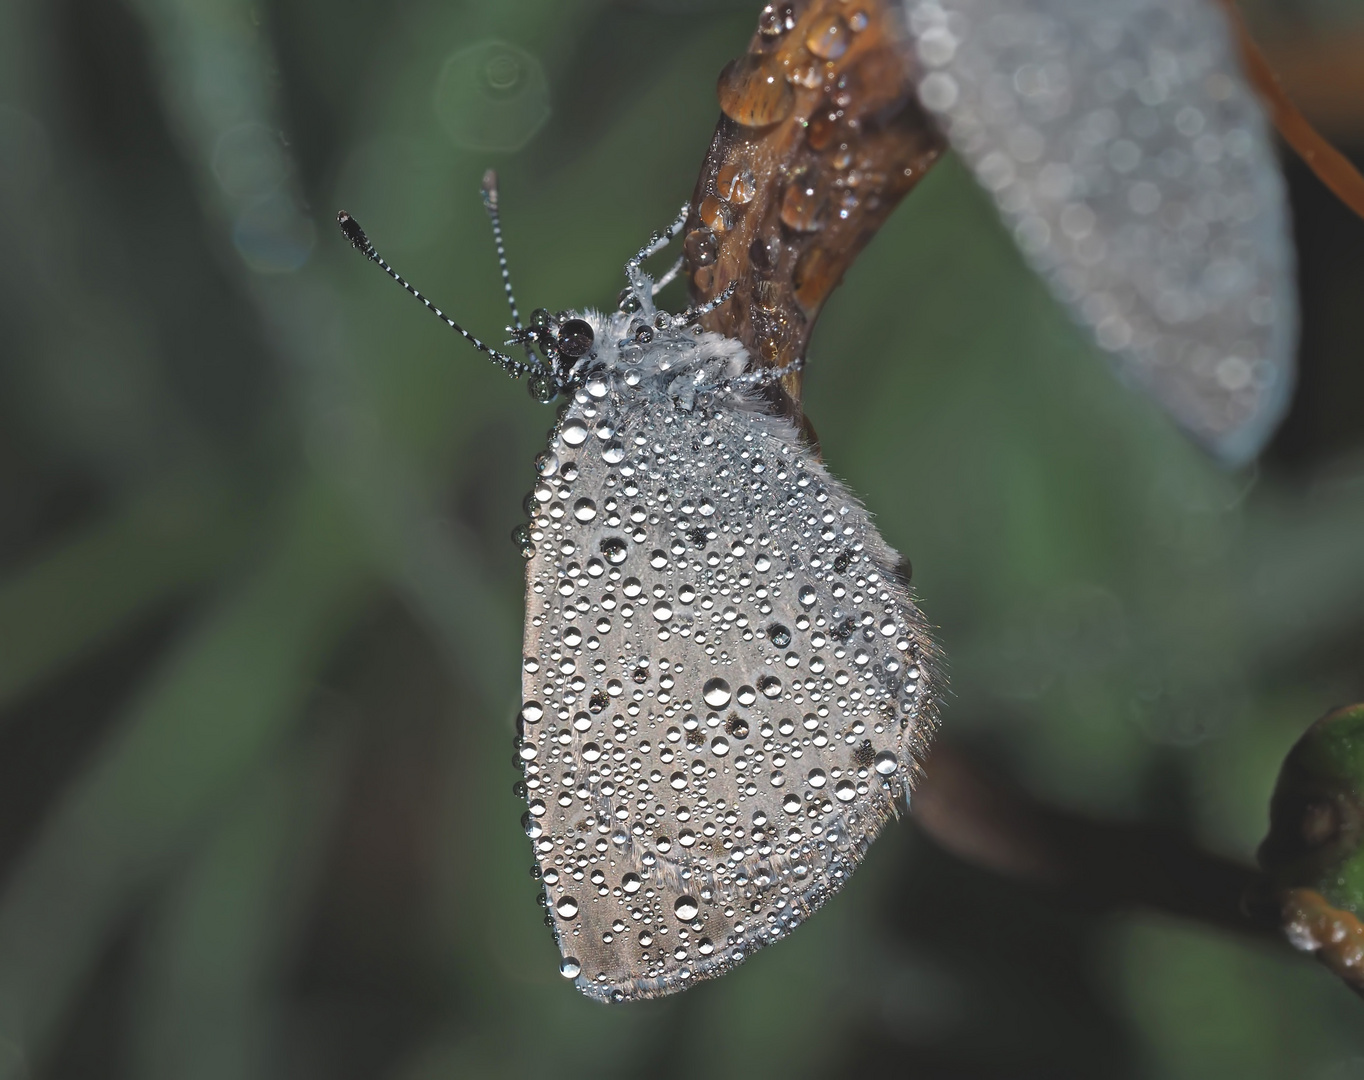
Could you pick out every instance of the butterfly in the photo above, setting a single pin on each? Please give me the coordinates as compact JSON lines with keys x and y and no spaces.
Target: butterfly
{"x":728,"y":689}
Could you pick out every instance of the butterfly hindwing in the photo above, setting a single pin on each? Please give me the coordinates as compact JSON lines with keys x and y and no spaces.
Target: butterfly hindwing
{"x":727,"y":689}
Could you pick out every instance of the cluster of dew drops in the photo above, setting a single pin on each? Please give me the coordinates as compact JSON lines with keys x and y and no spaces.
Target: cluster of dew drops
{"x":621,"y":752}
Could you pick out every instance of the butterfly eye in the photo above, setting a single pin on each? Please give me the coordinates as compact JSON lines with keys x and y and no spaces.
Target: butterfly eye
{"x":575,"y":338}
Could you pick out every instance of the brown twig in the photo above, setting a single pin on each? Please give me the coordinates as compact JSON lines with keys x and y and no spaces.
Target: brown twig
{"x":819,"y":139}
{"x":1331,"y":167}
{"x":1098,"y":865}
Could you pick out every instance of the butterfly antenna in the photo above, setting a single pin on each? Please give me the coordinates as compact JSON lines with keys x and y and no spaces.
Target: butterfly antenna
{"x":356,"y":235}
{"x":694,"y":313}
{"x":667,"y":279}
{"x":490,"y":204}
{"x":657,"y":242}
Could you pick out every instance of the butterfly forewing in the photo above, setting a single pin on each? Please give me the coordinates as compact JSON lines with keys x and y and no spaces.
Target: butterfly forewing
{"x":727,"y":690}
{"x":1133,"y":165}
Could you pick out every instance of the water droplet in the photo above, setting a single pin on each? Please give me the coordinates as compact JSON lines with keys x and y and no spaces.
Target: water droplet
{"x":817,"y":778}
{"x":613,"y":547}
{"x":753,"y":91}
{"x":574,"y":432}
{"x":716,"y":215}
{"x":613,"y":453}
{"x":735,"y":184}
{"x":663,"y":611}
{"x":569,"y":967}
{"x":700,"y":247}
{"x":716,"y":693}
{"x":886,"y":763}
{"x":777,"y":19}
{"x":746,"y":696}
{"x":719,"y":746}
{"x":631,"y":883}
{"x":828,"y":37}
{"x":791,"y":804}
{"x":542,"y":387}
{"x":779,"y":635}
{"x":686,"y":908}
{"x":800,"y":205}
{"x":845,"y":790}
{"x":770,"y":686}
{"x":806,"y":596}
{"x":575,"y":339}
{"x":546,"y":463}
{"x":567,"y":907}
{"x":678,"y":781}
{"x":584,"y":510}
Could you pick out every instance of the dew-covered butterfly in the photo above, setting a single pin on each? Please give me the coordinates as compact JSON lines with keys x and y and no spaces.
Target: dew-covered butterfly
{"x":727,"y":687}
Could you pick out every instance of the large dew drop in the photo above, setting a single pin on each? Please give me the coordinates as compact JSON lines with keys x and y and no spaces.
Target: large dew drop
{"x":574,"y":432}
{"x":584,"y":510}
{"x":716,"y":693}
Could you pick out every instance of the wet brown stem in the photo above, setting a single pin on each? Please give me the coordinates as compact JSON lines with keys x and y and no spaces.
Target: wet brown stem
{"x":819,"y":139}
{"x":1096,"y":865}
{"x":1331,"y":167}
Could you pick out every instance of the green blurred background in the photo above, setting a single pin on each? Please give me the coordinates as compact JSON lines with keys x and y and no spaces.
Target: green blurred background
{"x":259,"y":608}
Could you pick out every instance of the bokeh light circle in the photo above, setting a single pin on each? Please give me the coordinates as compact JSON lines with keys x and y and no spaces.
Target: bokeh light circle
{"x":491,"y":96}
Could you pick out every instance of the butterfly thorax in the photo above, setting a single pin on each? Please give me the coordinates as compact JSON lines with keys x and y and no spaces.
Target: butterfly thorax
{"x":639,"y":359}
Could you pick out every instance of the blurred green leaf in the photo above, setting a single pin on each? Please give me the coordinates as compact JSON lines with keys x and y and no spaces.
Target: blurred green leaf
{"x":77,"y":595}
{"x":219,"y":702}
{"x":213,"y":973}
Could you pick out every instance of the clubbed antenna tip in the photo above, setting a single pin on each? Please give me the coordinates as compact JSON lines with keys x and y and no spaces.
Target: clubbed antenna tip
{"x":356,"y":236}
{"x":490,"y":189}
{"x":354,"y":233}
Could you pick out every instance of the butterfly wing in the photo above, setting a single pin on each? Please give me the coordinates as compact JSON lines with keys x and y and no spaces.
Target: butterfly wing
{"x":727,"y":689}
{"x":1134,"y":167}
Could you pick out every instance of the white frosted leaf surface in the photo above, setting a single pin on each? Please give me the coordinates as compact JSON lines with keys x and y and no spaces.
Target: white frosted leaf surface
{"x":1133,"y":165}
